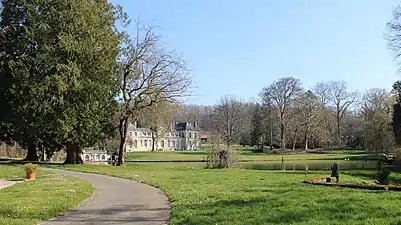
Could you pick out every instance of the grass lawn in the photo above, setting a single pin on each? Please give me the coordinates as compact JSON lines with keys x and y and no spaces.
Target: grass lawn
{"x":239,"y":196}
{"x":44,"y":198}
{"x":242,"y":154}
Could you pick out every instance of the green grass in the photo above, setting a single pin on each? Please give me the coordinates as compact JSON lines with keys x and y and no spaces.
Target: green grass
{"x":242,"y":154}
{"x":239,"y":196}
{"x":44,"y":198}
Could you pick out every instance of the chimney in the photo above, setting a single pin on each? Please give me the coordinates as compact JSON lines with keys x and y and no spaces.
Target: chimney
{"x":135,"y":124}
{"x":172,"y":126}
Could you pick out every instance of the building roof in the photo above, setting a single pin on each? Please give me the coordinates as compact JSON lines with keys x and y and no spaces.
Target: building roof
{"x":186,"y":126}
{"x":181,"y":126}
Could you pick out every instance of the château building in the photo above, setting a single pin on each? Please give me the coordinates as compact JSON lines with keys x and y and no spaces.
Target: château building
{"x":180,"y":136}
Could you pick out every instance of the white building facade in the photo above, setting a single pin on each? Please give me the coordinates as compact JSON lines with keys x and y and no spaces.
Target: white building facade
{"x":94,"y":156}
{"x":181,"y":136}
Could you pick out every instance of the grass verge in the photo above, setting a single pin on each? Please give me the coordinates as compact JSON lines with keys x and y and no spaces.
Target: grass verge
{"x":42,"y":199}
{"x":238,"y":196}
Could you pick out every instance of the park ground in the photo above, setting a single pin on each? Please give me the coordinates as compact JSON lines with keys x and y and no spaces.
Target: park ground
{"x":29,"y":202}
{"x":250,"y":196}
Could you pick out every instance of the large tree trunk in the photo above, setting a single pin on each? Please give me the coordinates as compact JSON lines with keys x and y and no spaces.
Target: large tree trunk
{"x":49,"y":154}
{"x":42,"y":152}
{"x":73,"y":154}
{"x":122,"y":128}
{"x":32,"y":152}
{"x":154,"y":132}
{"x":307,"y":139}
{"x":295,"y":139}
{"x":339,"y":141}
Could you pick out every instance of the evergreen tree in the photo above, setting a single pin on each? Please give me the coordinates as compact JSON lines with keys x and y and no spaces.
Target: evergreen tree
{"x":257,"y":126}
{"x":58,"y":72}
{"x":397,"y":113}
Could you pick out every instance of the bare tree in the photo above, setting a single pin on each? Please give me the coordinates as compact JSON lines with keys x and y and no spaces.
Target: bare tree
{"x":322,"y":91}
{"x":376,"y":111}
{"x":149,"y":75}
{"x":393,"y":34}
{"x":226,"y":119}
{"x":279,"y":95}
{"x":308,"y":109}
{"x":341,"y":100}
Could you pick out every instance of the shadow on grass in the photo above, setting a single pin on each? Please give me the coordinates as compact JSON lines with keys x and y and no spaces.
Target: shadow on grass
{"x":192,"y":153}
{"x":372,"y":175}
{"x":112,"y":214}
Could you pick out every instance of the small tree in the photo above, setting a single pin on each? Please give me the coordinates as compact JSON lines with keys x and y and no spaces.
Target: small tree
{"x":220,"y":155}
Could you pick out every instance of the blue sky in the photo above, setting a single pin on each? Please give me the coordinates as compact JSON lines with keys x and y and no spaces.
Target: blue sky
{"x":239,"y":47}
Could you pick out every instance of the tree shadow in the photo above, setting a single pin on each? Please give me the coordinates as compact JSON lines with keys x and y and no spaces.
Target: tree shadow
{"x":116,"y":214}
{"x":192,"y":152}
{"x":372,"y":175}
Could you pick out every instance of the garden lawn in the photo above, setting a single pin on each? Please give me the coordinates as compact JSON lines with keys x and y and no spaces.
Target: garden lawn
{"x":244,"y":154}
{"x":239,"y":196}
{"x":44,"y":198}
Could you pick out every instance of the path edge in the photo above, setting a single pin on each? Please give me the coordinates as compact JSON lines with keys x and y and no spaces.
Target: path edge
{"x":80,"y":203}
{"x":169,"y":200}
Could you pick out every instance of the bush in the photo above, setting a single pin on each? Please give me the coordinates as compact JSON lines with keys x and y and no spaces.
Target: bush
{"x":220,"y":156}
{"x":31,"y":167}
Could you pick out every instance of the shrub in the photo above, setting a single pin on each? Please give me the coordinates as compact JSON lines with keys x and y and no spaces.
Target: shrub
{"x":31,"y":167}
{"x":220,"y":156}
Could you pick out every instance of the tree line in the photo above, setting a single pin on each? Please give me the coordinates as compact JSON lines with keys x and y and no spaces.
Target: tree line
{"x":70,"y":79}
{"x":290,"y":117}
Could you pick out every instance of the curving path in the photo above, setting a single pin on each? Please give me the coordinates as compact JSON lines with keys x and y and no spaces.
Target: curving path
{"x":116,"y":201}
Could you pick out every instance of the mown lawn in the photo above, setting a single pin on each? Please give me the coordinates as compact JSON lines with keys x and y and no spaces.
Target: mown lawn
{"x":44,"y":198}
{"x":245,"y":154}
{"x":239,"y":196}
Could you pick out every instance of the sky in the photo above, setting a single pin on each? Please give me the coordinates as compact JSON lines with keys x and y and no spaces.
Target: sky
{"x":239,"y":47}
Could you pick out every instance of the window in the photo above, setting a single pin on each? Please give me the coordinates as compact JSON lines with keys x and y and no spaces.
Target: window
{"x":190,"y":135}
{"x":169,"y":144}
{"x":162,"y":144}
{"x":146,"y":143}
{"x":103,"y":157}
{"x":130,"y":133}
{"x":177,"y":144}
{"x":195,"y":134}
{"x":141,"y":143}
{"x":135,"y":144}
{"x":136,"y":134}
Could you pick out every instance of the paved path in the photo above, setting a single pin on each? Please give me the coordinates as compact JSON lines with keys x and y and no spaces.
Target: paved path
{"x":116,"y":201}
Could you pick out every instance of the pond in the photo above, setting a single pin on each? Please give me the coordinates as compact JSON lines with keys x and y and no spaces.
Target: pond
{"x":310,"y":165}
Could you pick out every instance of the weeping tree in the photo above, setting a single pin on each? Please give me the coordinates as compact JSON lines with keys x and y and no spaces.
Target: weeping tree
{"x":227,"y":124}
{"x":149,"y":75}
